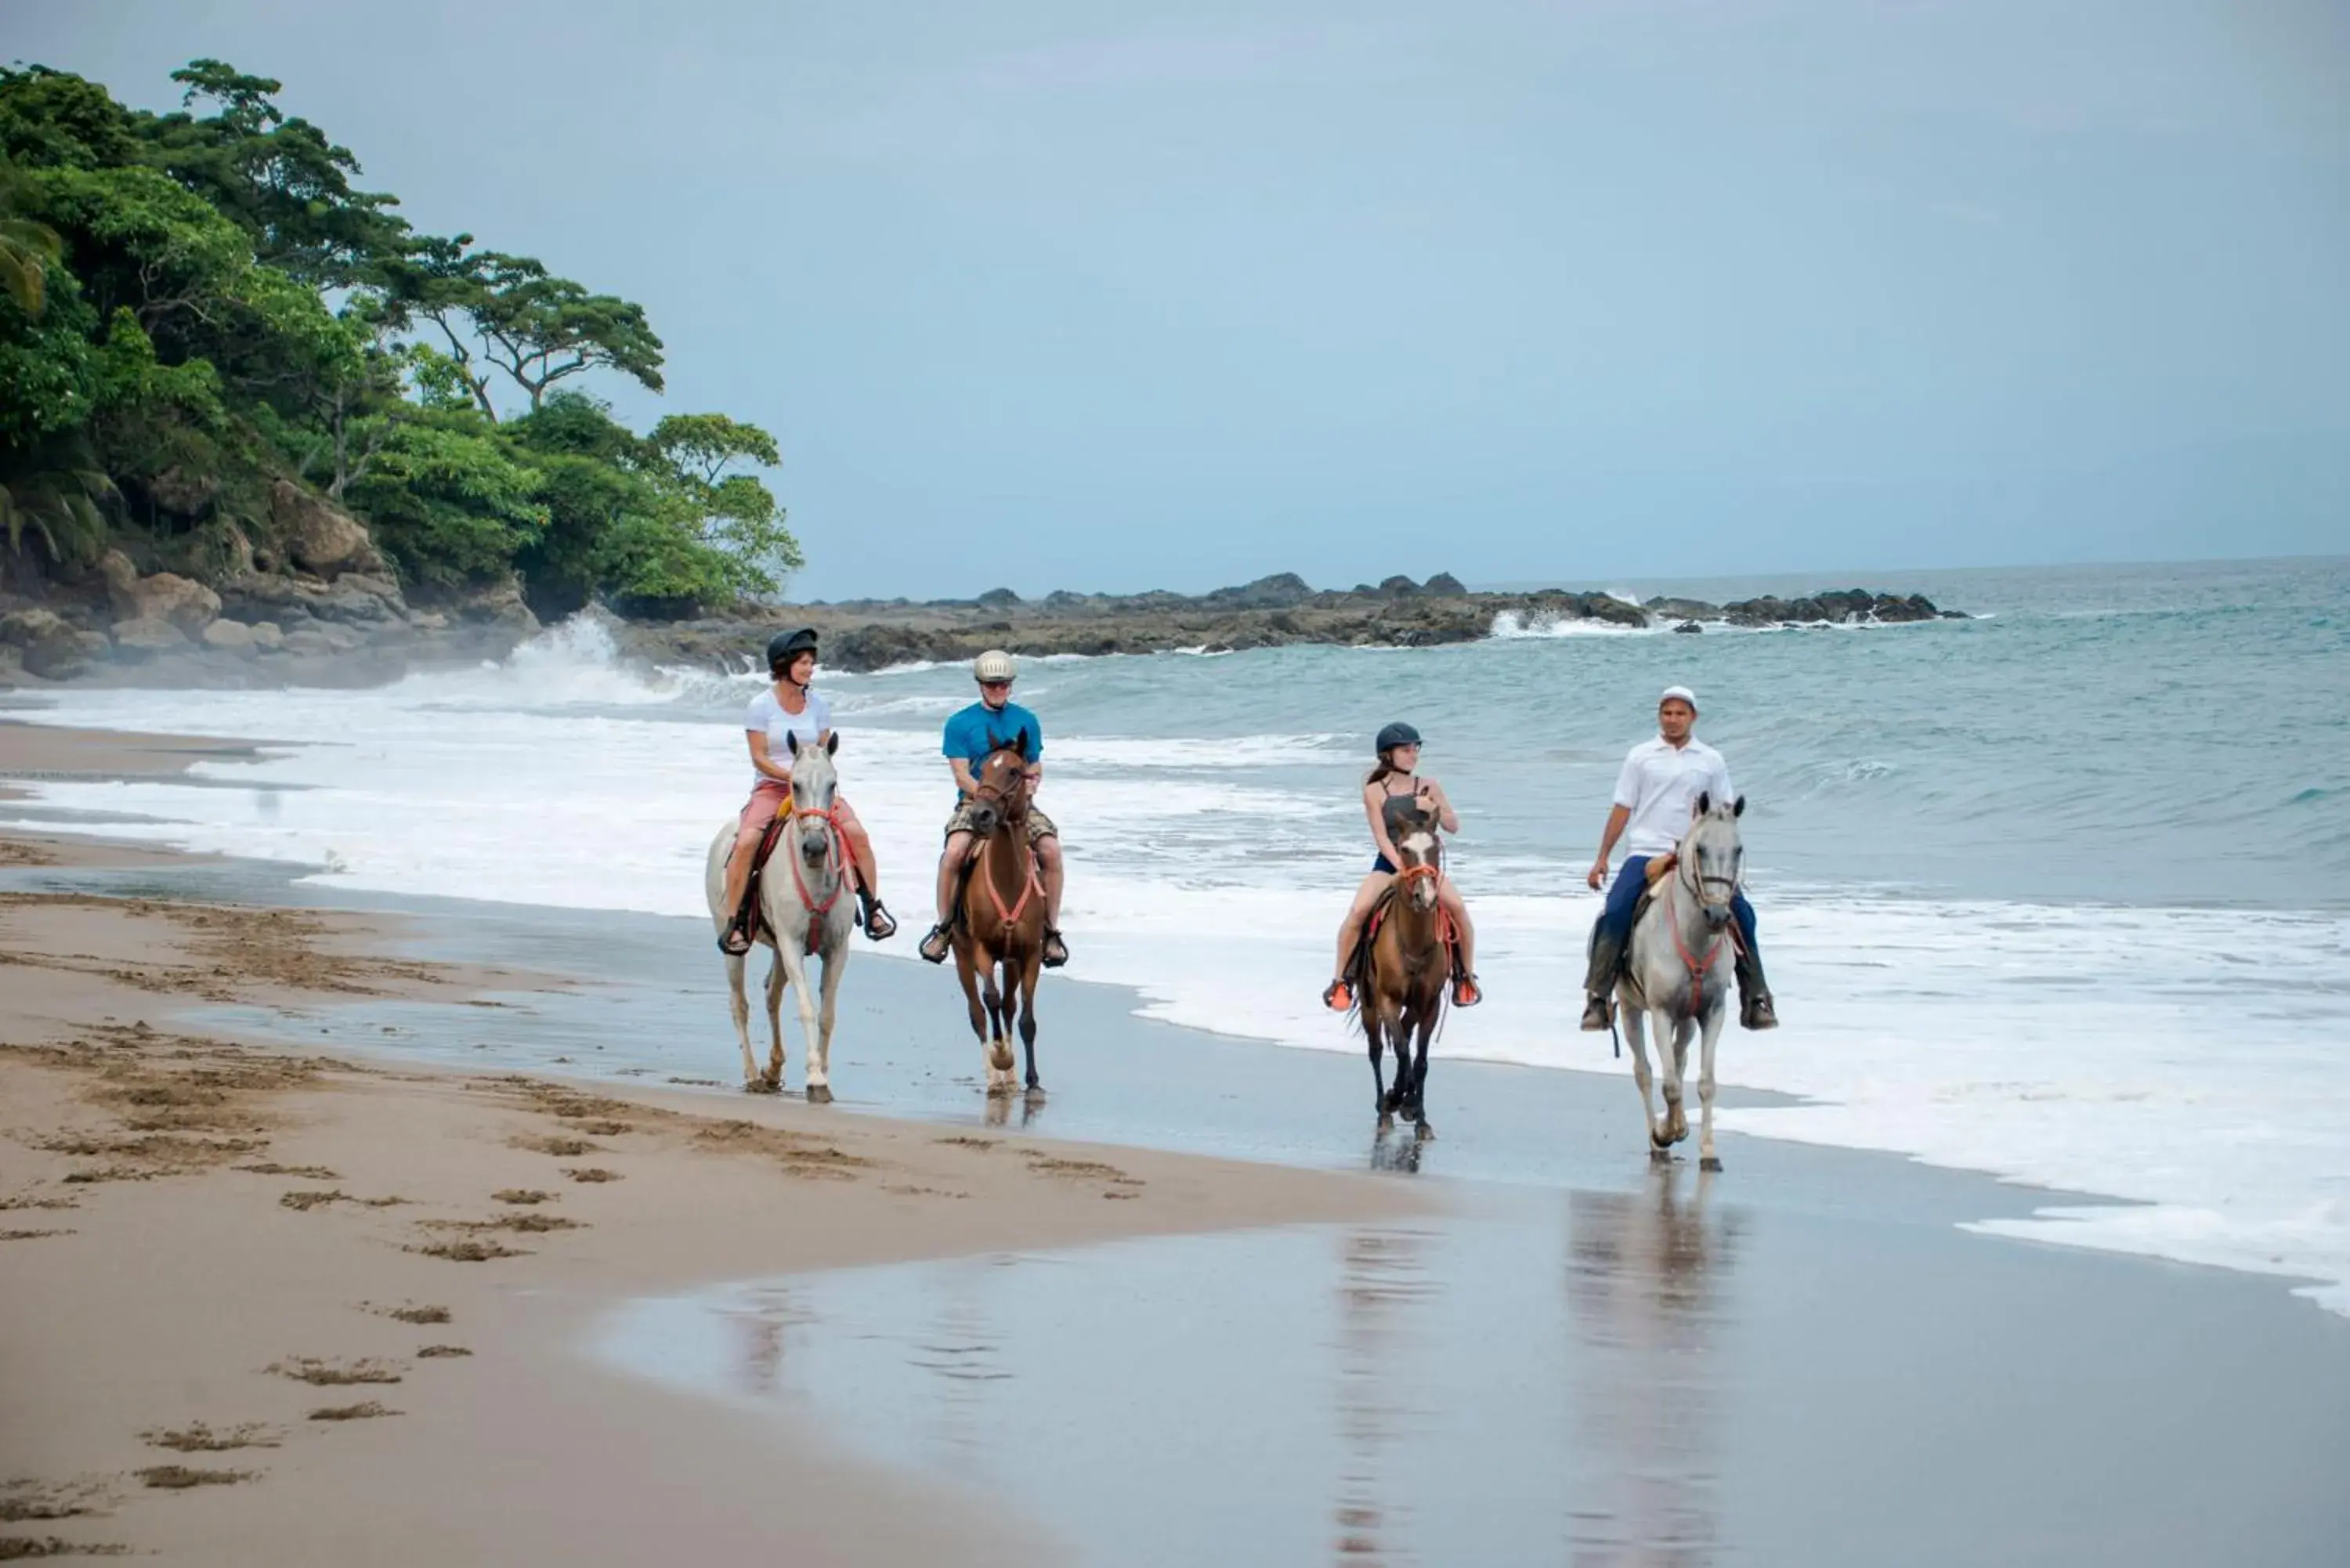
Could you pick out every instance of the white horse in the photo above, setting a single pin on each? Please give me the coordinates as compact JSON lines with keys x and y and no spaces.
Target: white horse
{"x":1680,"y":970}
{"x":804,"y":888}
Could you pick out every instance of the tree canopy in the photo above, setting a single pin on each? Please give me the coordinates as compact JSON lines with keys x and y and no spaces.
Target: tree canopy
{"x":196,"y":305}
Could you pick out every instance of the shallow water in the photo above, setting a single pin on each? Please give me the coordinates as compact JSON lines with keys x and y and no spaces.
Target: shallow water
{"x":1663,"y":1375}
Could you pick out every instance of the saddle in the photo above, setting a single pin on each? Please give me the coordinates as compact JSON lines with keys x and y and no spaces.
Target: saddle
{"x":752,"y":917}
{"x":1359,"y":964}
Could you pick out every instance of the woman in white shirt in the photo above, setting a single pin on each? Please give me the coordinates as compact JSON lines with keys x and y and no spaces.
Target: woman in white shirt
{"x":787,"y":708}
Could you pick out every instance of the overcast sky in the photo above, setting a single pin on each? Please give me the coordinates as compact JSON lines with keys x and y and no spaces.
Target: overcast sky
{"x":1152,"y":294}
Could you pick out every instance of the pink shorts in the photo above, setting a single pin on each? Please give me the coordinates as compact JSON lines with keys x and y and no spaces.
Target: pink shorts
{"x":766,"y":803}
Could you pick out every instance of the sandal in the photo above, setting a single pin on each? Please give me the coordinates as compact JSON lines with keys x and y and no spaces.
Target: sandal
{"x":734,"y":941}
{"x":934,"y":946}
{"x":1465,"y":993}
{"x":879,"y":925}
{"x":1339,"y":997}
{"x":1056,"y":952}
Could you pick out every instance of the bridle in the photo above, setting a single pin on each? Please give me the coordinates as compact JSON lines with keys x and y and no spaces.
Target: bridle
{"x":833,"y":857}
{"x":1011,"y":804}
{"x":1698,"y":965}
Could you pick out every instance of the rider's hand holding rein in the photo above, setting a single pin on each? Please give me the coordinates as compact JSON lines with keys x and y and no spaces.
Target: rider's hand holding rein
{"x":1430,"y":798}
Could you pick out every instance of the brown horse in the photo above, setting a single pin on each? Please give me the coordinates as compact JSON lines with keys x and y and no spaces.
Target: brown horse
{"x":1403,"y":965}
{"x":998,"y":936}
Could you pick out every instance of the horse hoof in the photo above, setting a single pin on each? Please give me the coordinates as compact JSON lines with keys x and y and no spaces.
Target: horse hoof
{"x":999,"y":1091}
{"x":1711,"y":1162}
{"x":1425,"y":1134}
{"x":1035,"y":1090}
{"x":819,"y":1095}
{"x":759,"y":1085}
{"x":1387,"y":1123}
{"x":1660,"y":1153}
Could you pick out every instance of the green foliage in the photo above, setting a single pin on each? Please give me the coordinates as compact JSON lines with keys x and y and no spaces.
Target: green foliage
{"x":448,"y":502}
{"x":194,"y":305}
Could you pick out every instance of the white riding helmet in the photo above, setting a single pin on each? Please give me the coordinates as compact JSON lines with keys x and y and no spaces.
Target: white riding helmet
{"x":993,"y":665}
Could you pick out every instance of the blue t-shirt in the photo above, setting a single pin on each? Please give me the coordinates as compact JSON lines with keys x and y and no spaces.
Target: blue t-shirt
{"x":978,"y":730}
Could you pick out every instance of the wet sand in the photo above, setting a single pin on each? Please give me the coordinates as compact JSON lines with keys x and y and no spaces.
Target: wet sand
{"x":1513,"y":1343}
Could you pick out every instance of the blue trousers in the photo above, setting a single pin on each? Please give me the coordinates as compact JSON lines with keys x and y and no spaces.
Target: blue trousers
{"x":1624,"y":895}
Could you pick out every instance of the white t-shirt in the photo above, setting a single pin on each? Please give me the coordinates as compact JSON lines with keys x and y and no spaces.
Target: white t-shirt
{"x":766,"y":716}
{"x":1660,"y":786}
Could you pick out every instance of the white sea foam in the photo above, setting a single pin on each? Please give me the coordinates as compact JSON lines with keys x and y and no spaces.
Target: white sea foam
{"x":2186,"y":1059}
{"x":1509,"y":625}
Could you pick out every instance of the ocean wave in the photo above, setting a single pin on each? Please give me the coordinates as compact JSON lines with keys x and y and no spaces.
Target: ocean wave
{"x":1509,"y":625}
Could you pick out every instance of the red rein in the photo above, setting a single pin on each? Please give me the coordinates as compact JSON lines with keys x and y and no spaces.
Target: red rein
{"x":836,"y":850}
{"x":1697,"y":966}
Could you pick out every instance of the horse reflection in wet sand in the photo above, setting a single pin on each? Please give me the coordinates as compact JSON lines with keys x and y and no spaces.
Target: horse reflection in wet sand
{"x":1645,"y":1295}
{"x":1385,"y":1299}
{"x":1678,"y":972}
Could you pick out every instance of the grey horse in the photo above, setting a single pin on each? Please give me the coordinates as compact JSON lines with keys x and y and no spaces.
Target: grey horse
{"x":805,"y":888}
{"x":1678,"y":972}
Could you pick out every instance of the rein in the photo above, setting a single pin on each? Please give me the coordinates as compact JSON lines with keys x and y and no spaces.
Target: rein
{"x":832,"y":857}
{"x":1698,"y":966}
{"x":1029,"y":888}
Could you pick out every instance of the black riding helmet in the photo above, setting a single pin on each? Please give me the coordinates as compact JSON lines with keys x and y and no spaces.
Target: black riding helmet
{"x":1397,"y":734}
{"x":786,"y":646}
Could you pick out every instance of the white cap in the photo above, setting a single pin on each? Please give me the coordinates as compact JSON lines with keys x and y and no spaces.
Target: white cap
{"x":1683,"y":693}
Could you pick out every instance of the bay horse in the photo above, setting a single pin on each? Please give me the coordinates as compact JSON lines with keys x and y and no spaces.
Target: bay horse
{"x":1402,"y":966}
{"x":801,"y":915}
{"x":1678,"y":971}
{"x":999,"y":930}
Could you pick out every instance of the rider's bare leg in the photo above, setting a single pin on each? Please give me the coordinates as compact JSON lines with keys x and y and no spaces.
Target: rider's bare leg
{"x":956,"y":851}
{"x":934,"y":945}
{"x":865,"y":872}
{"x":1350,"y":930}
{"x":738,"y":878}
{"x":1048,"y":860}
{"x":1466,"y":941}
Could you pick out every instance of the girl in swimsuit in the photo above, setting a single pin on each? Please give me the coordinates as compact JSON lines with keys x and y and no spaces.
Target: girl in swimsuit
{"x":1395,"y":778}
{"x":789,"y":707}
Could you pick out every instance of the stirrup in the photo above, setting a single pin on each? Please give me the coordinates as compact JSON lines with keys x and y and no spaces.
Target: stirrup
{"x":734,"y":941}
{"x":1599,"y":1011}
{"x":1338,"y":996}
{"x":935,"y":946}
{"x":879,"y":924}
{"x":1056,"y":952}
{"x":1466,"y":991}
{"x":1757,"y":1012}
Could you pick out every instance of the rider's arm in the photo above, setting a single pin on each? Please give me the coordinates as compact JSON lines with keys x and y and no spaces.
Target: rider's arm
{"x":1374,"y":807}
{"x":1616,"y":818}
{"x":1446,"y":817}
{"x":1036,"y":776}
{"x":964,"y":781}
{"x":768,"y":767}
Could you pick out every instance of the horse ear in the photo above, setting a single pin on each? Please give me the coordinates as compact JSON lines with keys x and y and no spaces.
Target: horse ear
{"x":1020,"y":742}
{"x":792,"y":741}
{"x":1704,"y":802}
{"x":832,"y":745}
{"x":1740,"y":808}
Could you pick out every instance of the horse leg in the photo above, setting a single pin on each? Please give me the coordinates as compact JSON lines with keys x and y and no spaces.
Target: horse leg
{"x":1388,"y":1017}
{"x":1706,"y":1158}
{"x":776,"y":981}
{"x":1028,"y":972}
{"x":791,"y":956}
{"x":1677,"y":1032}
{"x":1417,"y":1105}
{"x":819,"y":1067}
{"x":1636,"y":1035}
{"x":1378,"y":1076}
{"x":967,"y":971}
{"x":999,"y":1048}
{"x":739,"y":1004}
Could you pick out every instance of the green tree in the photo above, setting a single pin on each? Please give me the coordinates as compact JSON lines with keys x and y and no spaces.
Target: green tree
{"x":540,"y":330}
{"x":449,"y":501}
{"x":734,"y":513}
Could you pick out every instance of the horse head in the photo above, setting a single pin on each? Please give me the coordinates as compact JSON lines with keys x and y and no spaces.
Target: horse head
{"x":1712,"y":860}
{"x":815,"y":782}
{"x":1413,"y":833}
{"x":1000,"y":793}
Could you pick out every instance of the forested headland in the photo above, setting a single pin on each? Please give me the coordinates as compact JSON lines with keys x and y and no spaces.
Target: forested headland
{"x":225,"y":361}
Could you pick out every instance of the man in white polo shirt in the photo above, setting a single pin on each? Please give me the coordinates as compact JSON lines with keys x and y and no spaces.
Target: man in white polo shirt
{"x":1655,"y":796}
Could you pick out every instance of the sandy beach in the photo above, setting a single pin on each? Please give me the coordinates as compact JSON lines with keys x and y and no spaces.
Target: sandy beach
{"x":413,"y":1229}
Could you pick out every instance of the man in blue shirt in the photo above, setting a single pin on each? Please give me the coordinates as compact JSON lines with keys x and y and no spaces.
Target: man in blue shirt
{"x":993,"y":722}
